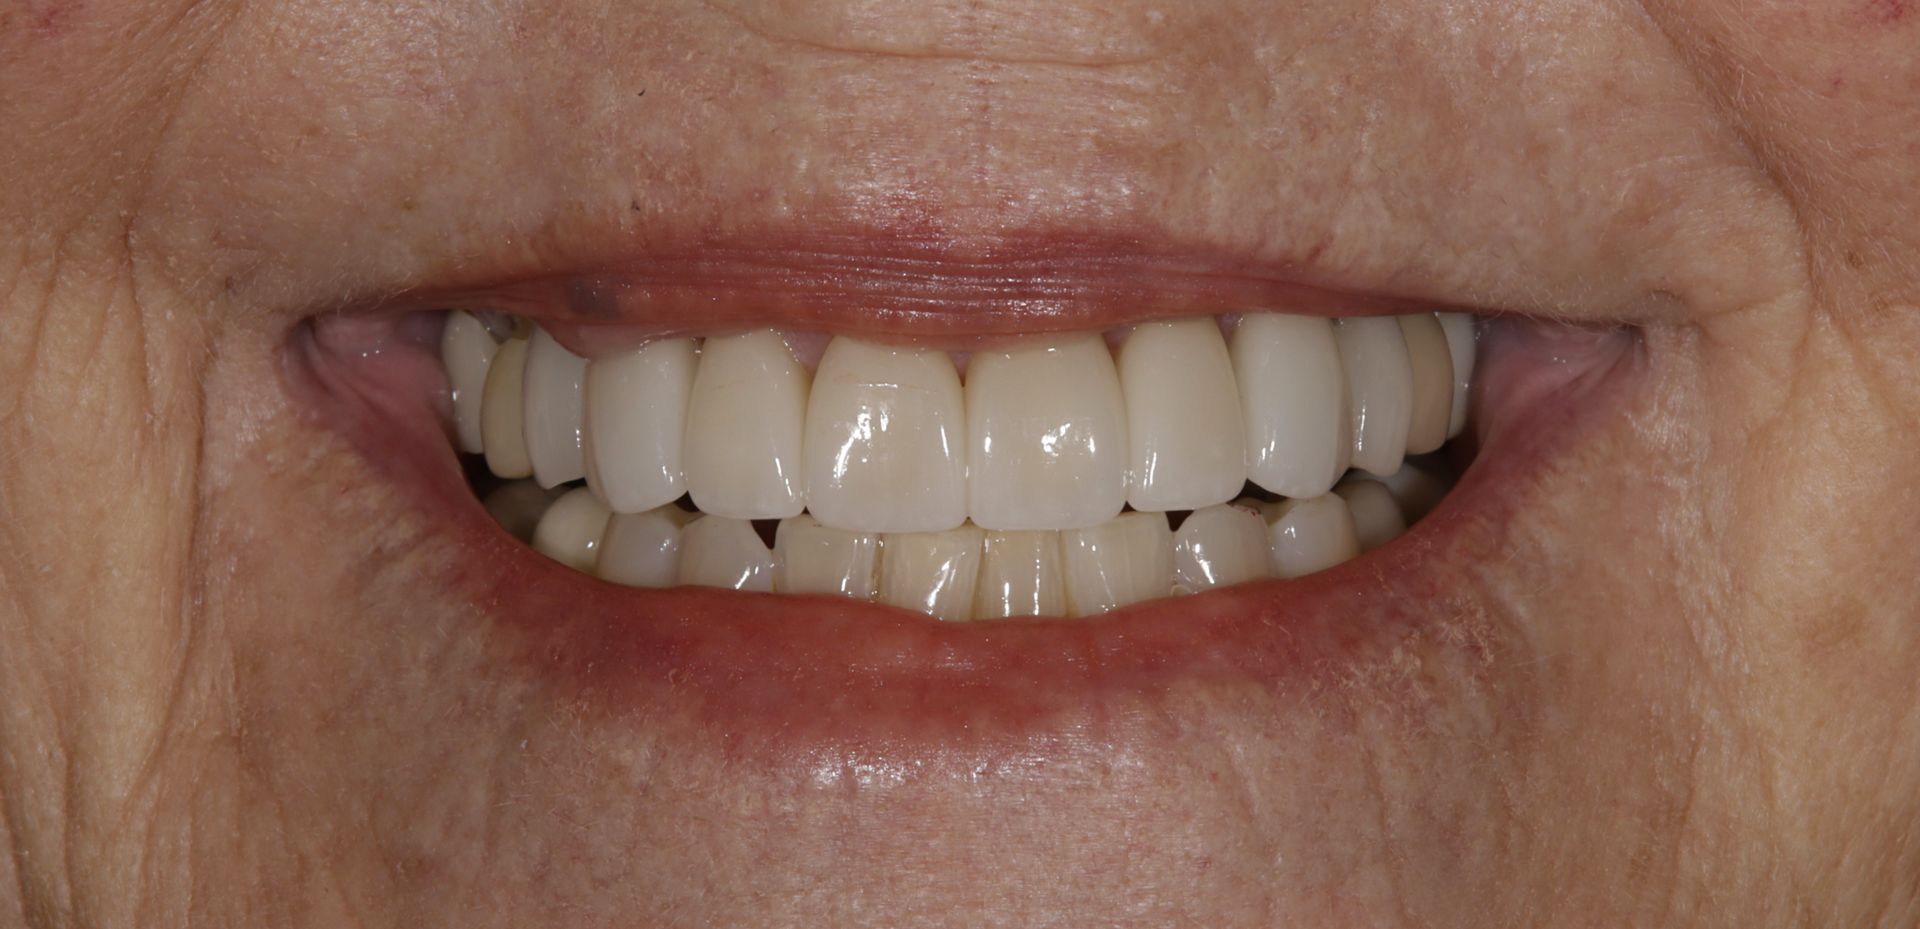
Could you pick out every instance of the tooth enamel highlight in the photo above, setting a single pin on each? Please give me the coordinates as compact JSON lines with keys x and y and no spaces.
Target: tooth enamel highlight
{"x":1220,"y":546}
{"x":1122,"y":561}
{"x":1380,"y":389}
{"x":717,"y":551}
{"x":503,"y":412}
{"x":642,"y":549}
{"x":570,"y":530}
{"x":1431,"y":363}
{"x":809,"y":558}
{"x":933,"y":572}
{"x":553,"y":410}
{"x":518,"y":505}
{"x":1376,"y":515}
{"x":1047,"y":435}
{"x":745,"y":423}
{"x":1293,"y":397}
{"x":467,"y":349}
{"x":1020,"y":575}
{"x":1460,"y":343}
{"x":1310,"y":535}
{"x":885,"y":439}
{"x":636,"y":416}
{"x":1185,"y":436}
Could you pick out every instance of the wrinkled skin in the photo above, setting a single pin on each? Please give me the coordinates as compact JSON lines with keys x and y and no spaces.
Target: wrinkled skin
{"x":226,"y":698}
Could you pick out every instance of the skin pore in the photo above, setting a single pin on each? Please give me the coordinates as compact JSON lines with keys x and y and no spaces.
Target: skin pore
{"x":1675,"y":687}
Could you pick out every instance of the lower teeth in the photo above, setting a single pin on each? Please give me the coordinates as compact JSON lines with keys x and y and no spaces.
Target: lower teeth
{"x":1049,"y":471}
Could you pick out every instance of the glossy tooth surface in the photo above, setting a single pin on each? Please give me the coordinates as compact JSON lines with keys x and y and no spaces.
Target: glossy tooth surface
{"x":642,"y":549}
{"x":503,"y":412}
{"x":554,"y":412}
{"x":717,"y":551}
{"x":1431,"y":363}
{"x":1376,"y":515}
{"x":1460,"y":344}
{"x":466,"y":350}
{"x":1379,"y":388}
{"x":932,"y":572}
{"x":885,"y":439}
{"x":636,"y":416}
{"x":1311,"y":534}
{"x":1220,"y":546}
{"x":810,"y":558}
{"x":1020,"y":575}
{"x":1416,"y":487}
{"x":1186,"y":439}
{"x":570,"y":530}
{"x":745,"y":422}
{"x":1122,"y":561}
{"x":1293,"y":397}
{"x":518,"y":505}
{"x":1046,"y":435}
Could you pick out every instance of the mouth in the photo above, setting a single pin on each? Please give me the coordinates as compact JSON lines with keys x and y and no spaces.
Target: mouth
{"x":961,"y":512}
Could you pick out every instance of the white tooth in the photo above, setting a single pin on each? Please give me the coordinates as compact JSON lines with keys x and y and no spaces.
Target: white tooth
{"x":1020,"y":575}
{"x":518,"y":505}
{"x":1220,"y":546}
{"x":885,"y":445}
{"x":1046,"y":434}
{"x":642,"y":549}
{"x":636,"y":416}
{"x":570,"y":530}
{"x":717,"y":551}
{"x":1431,"y":364}
{"x":1460,"y":343}
{"x":1310,"y":534}
{"x":503,"y":412}
{"x":1293,"y":394}
{"x":1380,"y":388}
{"x":552,"y":391}
{"x":1376,"y":515}
{"x":1186,"y":440}
{"x":809,"y":558}
{"x":745,"y":423}
{"x":1416,"y":488}
{"x":1122,"y":561}
{"x":466,"y":349}
{"x":933,"y":572}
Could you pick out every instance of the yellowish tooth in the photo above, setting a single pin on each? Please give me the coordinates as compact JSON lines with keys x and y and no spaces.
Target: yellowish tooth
{"x":1293,"y":396}
{"x":1020,"y":575}
{"x":1187,"y":444}
{"x":933,"y":572}
{"x":503,"y":412}
{"x":809,"y":558}
{"x":1416,"y":487}
{"x":1122,"y":561}
{"x":1376,"y":515}
{"x":570,"y":530}
{"x":518,"y":505}
{"x":886,"y":439}
{"x":717,"y":551}
{"x":1047,"y":435}
{"x":1309,"y":535}
{"x":1380,"y":388}
{"x":745,"y":427}
{"x":1460,"y":345}
{"x":642,"y":549}
{"x":552,"y":391}
{"x":636,"y":420}
{"x":1220,"y":546}
{"x":1432,"y":366}
{"x":467,"y":350}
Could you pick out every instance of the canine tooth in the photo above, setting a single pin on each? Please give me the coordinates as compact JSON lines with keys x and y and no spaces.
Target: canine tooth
{"x":552,"y":391}
{"x":719,"y":551}
{"x":1046,"y":434}
{"x":1124,"y":560}
{"x":1220,"y":546}
{"x":1311,"y":534}
{"x":745,"y":421}
{"x":1380,"y":388}
{"x":518,"y":505}
{"x":570,"y":530}
{"x":1293,"y":395}
{"x":1020,"y":575}
{"x":1376,"y":515}
{"x":1186,"y":438}
{"x":503,"y":412}
{"x":642,"y":549}
{"x":933,"y":572}
{"x":1460,"y":343}
{"x":885,"y":439}
{"x":809,"y":558}
{"x":467,"y":349}
{"x":1431,"y":364}
{"x":636,"y":405}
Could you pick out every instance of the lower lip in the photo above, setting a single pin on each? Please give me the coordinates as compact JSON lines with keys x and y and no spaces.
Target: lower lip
{"x":791,"y":675}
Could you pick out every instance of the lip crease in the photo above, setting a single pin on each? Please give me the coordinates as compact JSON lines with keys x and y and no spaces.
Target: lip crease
{"x":784,"y":674}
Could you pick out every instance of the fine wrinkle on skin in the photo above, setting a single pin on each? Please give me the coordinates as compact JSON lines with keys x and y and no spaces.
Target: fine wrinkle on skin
{"x":972,"y":31}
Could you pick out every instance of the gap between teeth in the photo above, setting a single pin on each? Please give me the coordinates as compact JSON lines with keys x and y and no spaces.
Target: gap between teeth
{"x":1041,"y":485}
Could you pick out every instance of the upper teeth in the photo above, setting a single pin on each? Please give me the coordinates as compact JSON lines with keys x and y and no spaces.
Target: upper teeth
{"x":887,"y":445}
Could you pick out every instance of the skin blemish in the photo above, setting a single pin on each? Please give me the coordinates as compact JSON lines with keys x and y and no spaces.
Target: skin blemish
{"x":1885,"y":12}
{"x":53,"y":19}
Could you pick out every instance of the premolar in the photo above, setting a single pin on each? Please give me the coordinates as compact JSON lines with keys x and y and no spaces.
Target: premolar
{"x":552,"y":394}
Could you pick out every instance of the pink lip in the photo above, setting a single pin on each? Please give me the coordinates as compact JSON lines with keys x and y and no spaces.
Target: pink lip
{"x":786,"y":674}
